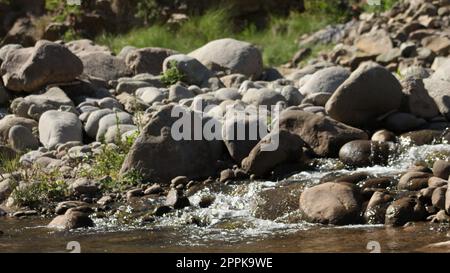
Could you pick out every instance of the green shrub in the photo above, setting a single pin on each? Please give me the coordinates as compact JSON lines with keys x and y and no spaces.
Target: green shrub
{"x":172,"y":75}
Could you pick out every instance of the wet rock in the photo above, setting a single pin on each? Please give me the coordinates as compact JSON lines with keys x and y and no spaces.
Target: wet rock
{"x":361,"y":153}
{"x":62,"y":207}
{"x":326,"y":80}
{"x":103,"y":65}
{"x":176,"y":200}
{"x":447,"y":201}
{"x":273,"y":150}
{"x":440,"y":217}
{"x":324,"y":135}
{"x":2,"y":214}
{"x":206,"y":201}
{"x":437,"y":182}
{"x":57,"y":127}
{"x":277,"y":202}
{"x":72,"y":219}
{"x":29,"y":69}
{"x":153,"y":189}
{"x":331,"y":203}
{"x":147,"y":60}
{"x":383,"y":136}
{"x":376,"y":209}
{"x":179,"y":180}
{"x":161,"y":210}
{"x":134,"y":193}
{"x":377,"y":183}
{"x":438,"y":198}
{"x":33,"y":106}
{"x":226,"y":175}
{"x":105,"y":200}
{"x":441,"y":169}
{"x":231,"y":55}
{"x":369,"y":92}
{"x":404,"y":210}
{"x":422,"y":137}
{"x":84,"y":186}
{"x":413,"y":181}
{"x":187,"y":157}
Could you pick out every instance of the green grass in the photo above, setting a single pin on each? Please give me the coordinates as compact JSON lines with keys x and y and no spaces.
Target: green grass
{"x":278,"y":41}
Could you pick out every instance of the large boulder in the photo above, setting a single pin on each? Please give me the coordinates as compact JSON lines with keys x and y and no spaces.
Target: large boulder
{"x":232,"y":55}
{"x":326,"y":80}
{"x":322,"y":134}
{"x":275,"y":149}
{"x":369,"y":92}
{"x":331,"y":203}
{"x":29,"y":69}
{"x":193,"y":71}
{"x":417,"y":101}
{"x":161,"y":152}
{"x":438,"y":86}
{"x":99,"y":64}
{"x":147,"y":60}
{"x":56,"y":127}
{"x":33,"y":106}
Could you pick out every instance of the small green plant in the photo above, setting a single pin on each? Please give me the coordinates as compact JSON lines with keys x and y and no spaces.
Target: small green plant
{"x":35,"y":194}
{"x":9,"y":165}
{"x":172,"y":75}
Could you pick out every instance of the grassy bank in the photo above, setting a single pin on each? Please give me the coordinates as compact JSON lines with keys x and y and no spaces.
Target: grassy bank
{"x":278,"y":40}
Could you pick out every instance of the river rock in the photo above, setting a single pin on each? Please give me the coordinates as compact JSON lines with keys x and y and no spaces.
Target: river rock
{"x":72,"y":219}
{"x":292,"y":95}
{"x":417,"y":101}
{"x":374,"y":43}
{"x":147,"y":60}
{"x":91,"y":126}
{"x":383,"y":136}
{"x":264,"y":97}
{"x":331,"y":203}
{"x":56,"y":127}
{"x":29,"y":69}
{"x":84,"y":186}
{"x":176,"y":200}
{"x":437,"y":86}
{"x":193,"y":71}
{"x":447,"y":201}
{"x":369,"y":92}
{"x":238,"y":134}
{"x":403,"y":210}
{"x":182,"y":156}
{"x":273,"y":150}
{"x":33,"y":106}
{"x":231,"y":55}
{"x":413,"y":181}
{"x":326,"y":80}
{"x":20,"y":138}
{"x":62,"y":207}
{"x":102,"y":65}
{"x":150,"y":95}
{"x":362,"y":153}
{"x":11,"y":120}
{"x":402,"y":122}
{"x":112,"y":120}
{"x":178,"y":92}
{"x":441,"y":169}
{"x":438,"y":197}
{"x":375,"y":212}
{"x":323,"y":134}
{"x":82,"y":46}
{"x":6,"y":188}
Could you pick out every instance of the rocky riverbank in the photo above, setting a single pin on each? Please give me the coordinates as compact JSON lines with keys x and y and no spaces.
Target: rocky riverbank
{"x":85,"y":133}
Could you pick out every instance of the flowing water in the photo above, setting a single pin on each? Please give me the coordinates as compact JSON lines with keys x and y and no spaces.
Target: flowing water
{"x":241,"y":219}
